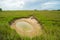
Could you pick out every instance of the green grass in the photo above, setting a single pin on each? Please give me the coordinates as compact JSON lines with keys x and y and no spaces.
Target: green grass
{"x":50,"y":21}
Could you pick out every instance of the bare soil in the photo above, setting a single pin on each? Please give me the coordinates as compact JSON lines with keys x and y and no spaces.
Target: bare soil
{"x":35,"y":29}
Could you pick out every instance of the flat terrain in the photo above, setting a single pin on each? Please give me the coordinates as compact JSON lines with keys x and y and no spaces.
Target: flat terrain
{"x":50,"y":21}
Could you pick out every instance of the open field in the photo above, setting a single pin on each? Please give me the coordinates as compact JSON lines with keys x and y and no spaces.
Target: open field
{"x":50,"y":21}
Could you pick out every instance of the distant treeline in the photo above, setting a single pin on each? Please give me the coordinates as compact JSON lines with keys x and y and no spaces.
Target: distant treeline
{"x":46,"y":10}
{"x":38,"y":10}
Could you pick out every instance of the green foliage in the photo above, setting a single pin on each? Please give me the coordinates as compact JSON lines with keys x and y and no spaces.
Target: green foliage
{"x":0,"y":9}
{"x":50,"y":21}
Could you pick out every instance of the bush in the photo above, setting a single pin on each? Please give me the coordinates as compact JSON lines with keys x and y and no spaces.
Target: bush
{"x":58,"y":10}
{"x":0,"y":9}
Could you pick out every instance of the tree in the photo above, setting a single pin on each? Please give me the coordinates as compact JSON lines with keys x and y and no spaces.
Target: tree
{"x":35,"y":9}
{"x":58,"y":10}
{"x":0,"y":9}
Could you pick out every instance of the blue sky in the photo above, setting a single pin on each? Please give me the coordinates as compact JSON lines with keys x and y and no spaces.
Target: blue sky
{"x":30,"y":4}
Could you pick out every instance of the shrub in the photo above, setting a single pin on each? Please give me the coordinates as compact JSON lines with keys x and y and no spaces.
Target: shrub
{"x":0,"y":9}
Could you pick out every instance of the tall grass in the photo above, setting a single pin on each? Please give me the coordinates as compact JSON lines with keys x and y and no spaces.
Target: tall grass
{"x":50,"y":21}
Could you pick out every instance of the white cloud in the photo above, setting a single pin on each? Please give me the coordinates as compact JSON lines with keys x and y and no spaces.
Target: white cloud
{"x":26,"y":4}
{"x":30,"y":0}
{"x":12,"y":4}
{"x":49,"y":5}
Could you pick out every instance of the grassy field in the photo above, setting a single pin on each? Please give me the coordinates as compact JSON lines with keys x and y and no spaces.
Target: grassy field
{"x":50,"y":21}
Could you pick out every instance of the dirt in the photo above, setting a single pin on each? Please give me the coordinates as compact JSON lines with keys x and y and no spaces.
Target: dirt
{"x":35,"y":27}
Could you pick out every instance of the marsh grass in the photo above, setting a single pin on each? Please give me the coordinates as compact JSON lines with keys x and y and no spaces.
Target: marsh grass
{"x":50,"y":21}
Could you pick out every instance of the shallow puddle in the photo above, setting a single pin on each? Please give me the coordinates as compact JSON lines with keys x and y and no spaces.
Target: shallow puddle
{"x":25,"y":26}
